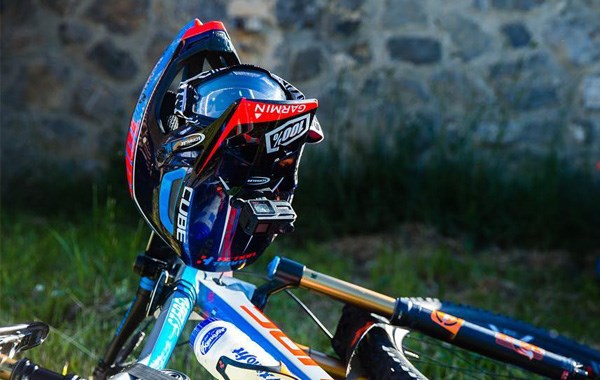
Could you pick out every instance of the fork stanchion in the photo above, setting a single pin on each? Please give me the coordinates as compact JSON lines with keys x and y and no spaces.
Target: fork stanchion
{"x":402,"y":311}
{"x":288,"y":270}
{"x":348,"y":292}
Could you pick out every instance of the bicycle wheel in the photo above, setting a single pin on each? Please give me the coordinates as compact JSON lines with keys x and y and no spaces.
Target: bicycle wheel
{"x":406,"y":354}
{"x":437,"y":359}
{"x":548,"y":340}
{"x":394,"y":353}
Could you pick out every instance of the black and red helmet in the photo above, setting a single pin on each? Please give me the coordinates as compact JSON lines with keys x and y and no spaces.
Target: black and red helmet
{"x":213,"y":166}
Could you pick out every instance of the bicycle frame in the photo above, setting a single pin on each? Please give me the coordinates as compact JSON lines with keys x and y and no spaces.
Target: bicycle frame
{"x":217,"y":299}
{"x":239,"y":302}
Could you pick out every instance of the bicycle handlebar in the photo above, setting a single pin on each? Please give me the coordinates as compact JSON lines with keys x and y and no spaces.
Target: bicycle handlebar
{"x":25,"y":369}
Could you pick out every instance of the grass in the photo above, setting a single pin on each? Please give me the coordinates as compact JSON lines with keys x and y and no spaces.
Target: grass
{"x":74,"y":270}
{"x":487,"y":195}
{"x":75,"y":274}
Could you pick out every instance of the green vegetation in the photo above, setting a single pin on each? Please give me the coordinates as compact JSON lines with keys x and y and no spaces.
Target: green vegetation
{"x":75,"y":274}
{"x":486,"y":195}
{"x":356,"y":221}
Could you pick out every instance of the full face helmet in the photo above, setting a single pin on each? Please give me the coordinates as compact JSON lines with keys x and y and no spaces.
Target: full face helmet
{"x":212,"y":166}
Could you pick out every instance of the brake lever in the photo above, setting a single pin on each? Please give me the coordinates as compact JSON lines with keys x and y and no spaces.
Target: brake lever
{"x":22,"y":337}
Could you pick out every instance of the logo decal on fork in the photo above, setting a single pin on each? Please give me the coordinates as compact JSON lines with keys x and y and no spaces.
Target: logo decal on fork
{"x":447,"y":321}
{"x":522,"y":348}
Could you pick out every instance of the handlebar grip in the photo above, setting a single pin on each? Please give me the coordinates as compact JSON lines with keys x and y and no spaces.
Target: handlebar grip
{"x":27,"y":370}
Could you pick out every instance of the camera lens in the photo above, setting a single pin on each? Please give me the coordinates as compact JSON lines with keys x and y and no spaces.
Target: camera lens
{"x":262,"y":208}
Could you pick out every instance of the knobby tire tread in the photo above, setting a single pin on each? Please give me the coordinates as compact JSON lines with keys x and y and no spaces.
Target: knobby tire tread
{"x":382,"y":360}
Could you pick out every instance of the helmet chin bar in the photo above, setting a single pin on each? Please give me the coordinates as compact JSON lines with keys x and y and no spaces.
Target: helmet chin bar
{"x":261,"y":216}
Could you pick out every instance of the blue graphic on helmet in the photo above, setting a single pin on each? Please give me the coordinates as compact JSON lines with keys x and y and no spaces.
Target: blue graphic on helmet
{"x":167,"y":192}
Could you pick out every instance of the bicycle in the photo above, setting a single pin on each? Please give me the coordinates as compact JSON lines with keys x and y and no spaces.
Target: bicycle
{"x":175,"y":289}
{"x":178,"y":288}
{"x":21,"y":337}
{"x":176,"y":280}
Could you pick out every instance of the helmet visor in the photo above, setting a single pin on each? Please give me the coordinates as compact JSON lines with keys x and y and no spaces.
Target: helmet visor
{"x":216,"y":94}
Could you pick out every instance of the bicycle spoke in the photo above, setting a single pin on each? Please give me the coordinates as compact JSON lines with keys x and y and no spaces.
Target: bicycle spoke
{"x":459,"y":354}
{"x":444,"y":346}
{"x":465,"y":364}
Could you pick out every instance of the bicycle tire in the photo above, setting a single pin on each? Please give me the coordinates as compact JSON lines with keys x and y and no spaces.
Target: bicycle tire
{"x":548,"y":340}
{"x":545,"y":339}
{"x":382,"y":358}
{"x":388,"y":352}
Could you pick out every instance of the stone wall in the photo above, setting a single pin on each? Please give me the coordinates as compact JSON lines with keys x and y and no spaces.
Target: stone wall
{"x":522,"y":75}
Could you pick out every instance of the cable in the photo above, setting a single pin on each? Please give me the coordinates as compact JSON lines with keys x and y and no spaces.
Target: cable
{"x":299,"y":302}
{"x":310,"y":313}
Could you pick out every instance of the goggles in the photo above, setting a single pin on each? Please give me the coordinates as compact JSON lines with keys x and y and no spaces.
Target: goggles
{"x":209,"y":94}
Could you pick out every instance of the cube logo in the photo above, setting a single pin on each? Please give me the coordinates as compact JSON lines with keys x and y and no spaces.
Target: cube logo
{"x":287,"y":133}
